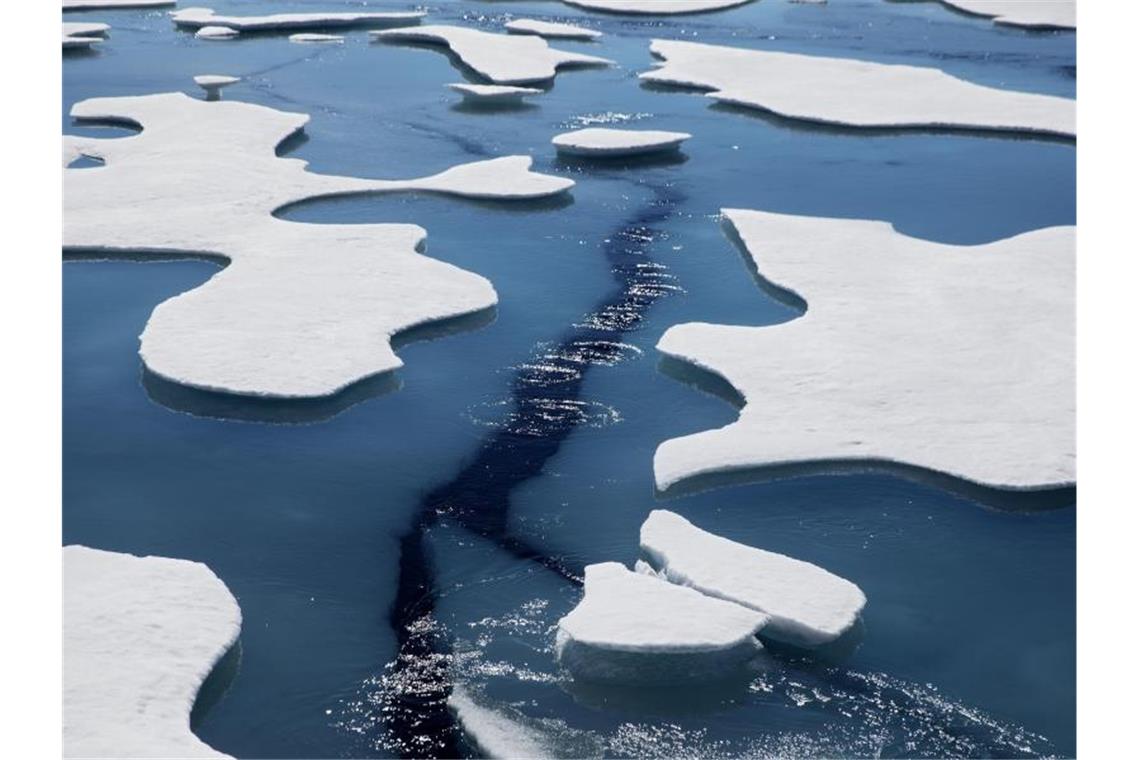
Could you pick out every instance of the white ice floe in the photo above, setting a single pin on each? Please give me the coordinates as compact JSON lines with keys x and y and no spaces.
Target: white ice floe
{"x":855,"y":93}
{"x":87,"y":5}
{"x":957,"y":359}
{"x":82,"y":35}
{"x":302,"y":310}
{"x":551,"y":30}
{"x":216,"y":33}
{"x":656,"y":7}
{"x":502,"y":58}
{"x":807,"y":605}
{"x":140,"y":635}
{"x":1029,"y":14}
{"x":498,"y":94}
{"x":314,"y":37}
{"x":194,"y":18}
{"x":494,"y":734}
{"x":636,"y":628}
{"x":213,"y":84}
{"x":600,"y":142}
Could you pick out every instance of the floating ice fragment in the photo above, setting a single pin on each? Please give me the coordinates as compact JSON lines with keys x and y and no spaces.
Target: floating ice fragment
{"x":83,"y":34}
{"x":496,"y":735}
{"x":600,"y":142}
{"x":501,"y":58}
{"x":807,"y":605}
{"x":855,"y":93}
{"x":216,"y":33}
{"x":195,"y":18}
{"x":633,"y":628}
{"x":313,"y":37}
{"x":551,"y":30}
{"x":1029,"y":14}
{"x":213,"y":84}
{"x":90,"y":5}
{"x":956,"y":359}
{"x":494,"y":94}
{"x":656,"y":7}
{"x":140,"y":635}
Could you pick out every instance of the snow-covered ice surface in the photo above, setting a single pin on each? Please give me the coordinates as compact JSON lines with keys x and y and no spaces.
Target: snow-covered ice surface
{"x":1030,"y":14}
{"x":84,"y":5}
{"x":493,"y":93}
{"x":302,"y":310}
{"x":140,"y":635}
{"x":83,"y":34}
{"x":196,"y":18}
{"x":807,"y":605}
{"x":634,"y":628}
{"x":551,"y":30}
{"x":600,"y":142}
{"x":854,"y":93}
{"x":501,"y":58}
{"x":305,"y":37}
{"x":216,"y":33}
{"x":910,"y":352}
{"x":656,"y":7}
{"x":213,"y":83}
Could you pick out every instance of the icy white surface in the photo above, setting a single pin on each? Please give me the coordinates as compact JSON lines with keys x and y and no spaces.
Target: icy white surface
{"x":493,"y":93}
{"x":855,"y":93}
{"x":601,"y":141}
{"x":656,"y":7}
{"x":80,"y":35}
{"x":83,"y":5}
{"x":551,"y":30}
{"x":140,"y":635}
{"x":216,"y":33}
{"x":958,"y":359}
{"x":303,"y":309}
{"x":633,"y":627}
{"x":213,"y":83}
{"x":808,"y":606}
{"x":305,"y":37}
{"x":195,"y":18}
{"x":496,"y":735}
{"x":502,"y":58}
{"x":1031,"y":14}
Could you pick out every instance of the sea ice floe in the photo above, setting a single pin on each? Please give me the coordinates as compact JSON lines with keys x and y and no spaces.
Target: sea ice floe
{"x":83,"y":35}
{"x":195,"y":18}
{"x":955,"y":359}
{"x":213,"y":84}
{"x":302,"y":310}
{"x":855,"y":93}
{"x":501,"y":58}
{"x":497,"y":94}
{"x":551,"y":30}
{"x":216,"y":33}
{"x":308,"y":37}
{"x":807,"y":605}
{"x":87,"y":5}
{"x":635,"y":628}
{"x":1029,"y":14}
{"x":600,"y":142}
{"x":656,"y":7}
{"x":140,"y":635}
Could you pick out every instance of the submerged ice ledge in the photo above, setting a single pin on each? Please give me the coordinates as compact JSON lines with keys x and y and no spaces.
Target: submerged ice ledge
{"x":140,"y":635}
{"x":302,"y":310}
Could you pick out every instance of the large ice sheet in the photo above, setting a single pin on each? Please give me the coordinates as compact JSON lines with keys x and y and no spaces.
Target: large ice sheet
{"x":807,"y":605}
{"x":501,"y":58}
{"x":302,"y":310}
{"x":633,"y":628}
{"x":956,"y":359}
{"x":855,"y":93}
{"x":1030,"y":14}
{"x":196,"y":18}
{"x":140,"y":635}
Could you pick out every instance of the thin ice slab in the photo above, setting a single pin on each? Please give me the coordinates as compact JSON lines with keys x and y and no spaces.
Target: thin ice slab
{"x":195,"y":18}
{"x":315,"y":37}
{"x":601,"y":142}
{"x":216,"y":33}
{"x":551,"y":30}
{"x":1028,"y":14}
{"x":502,"y":58}
{"x":953,"y":359}
{"x":634,"y":628}
{"x":213,"y":84}
{"x":656,"y":7}
{"x":494,"y":94}
{"x":302,"y":310}
{"x":90,"y":5}
{"x":140,"y":635}
{"x":807,"y":605}
{"x":83,"y":35}
{"x":854,"y":93}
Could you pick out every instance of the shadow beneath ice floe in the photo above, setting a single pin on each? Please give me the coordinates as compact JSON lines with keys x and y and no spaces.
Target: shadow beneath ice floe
{"x":293,"y":142}
{"x":777,"y":293}
{"x":686,"y":699}
{"x":476,"y":107}
{"x":662,"y":158}
{"x":400,"y":213}
{"x":217,"y":683}
{"x":114,"y":122}
{"x":471,"y":75}
{"x":829,"y":655}
{"x":701,"y":379}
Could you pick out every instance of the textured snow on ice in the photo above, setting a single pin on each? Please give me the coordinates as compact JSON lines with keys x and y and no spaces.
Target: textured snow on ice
{"x":808,"y":606}
{"x":303,"y":309}
{"x":140,"y":635}
{"x":86,"y":5}
{"x":195,"y":18}
{"x":1030,"y":14}
{"x":957,"y":359}
{"x":855,"y":93}
{"x":602,"y":142}
{"x":309,"y":37}
{"x":551,"y":30}
{"x":656,"y":7}
{"x":83,"y":35}
{"x":493,"y":93}
{"x":501,"y":58}
{"x":632,"y":627}
{"x":216,"y":33}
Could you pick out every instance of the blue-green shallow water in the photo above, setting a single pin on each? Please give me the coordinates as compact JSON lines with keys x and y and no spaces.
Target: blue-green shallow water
{"x":968,"y":641}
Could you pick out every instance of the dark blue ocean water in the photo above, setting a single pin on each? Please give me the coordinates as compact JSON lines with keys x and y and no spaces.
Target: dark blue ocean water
{"x":968,"y":642}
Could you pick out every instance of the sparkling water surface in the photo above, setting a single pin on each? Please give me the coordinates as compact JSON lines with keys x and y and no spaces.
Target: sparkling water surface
{"x":533,"y":435}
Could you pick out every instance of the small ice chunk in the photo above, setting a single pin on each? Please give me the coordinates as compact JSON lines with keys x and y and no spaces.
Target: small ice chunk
{"x":216,"y":33}
{"x":634,"y":628}
{"x":309,"y":37}
{"x":213,"y":84}
{"x":808,"y":606}
{"x":497,"y":94}
{"x":656,"y":7}
{"x":603,"y":142}
{"x":194,"y":18}
{"x":551,"y":30}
